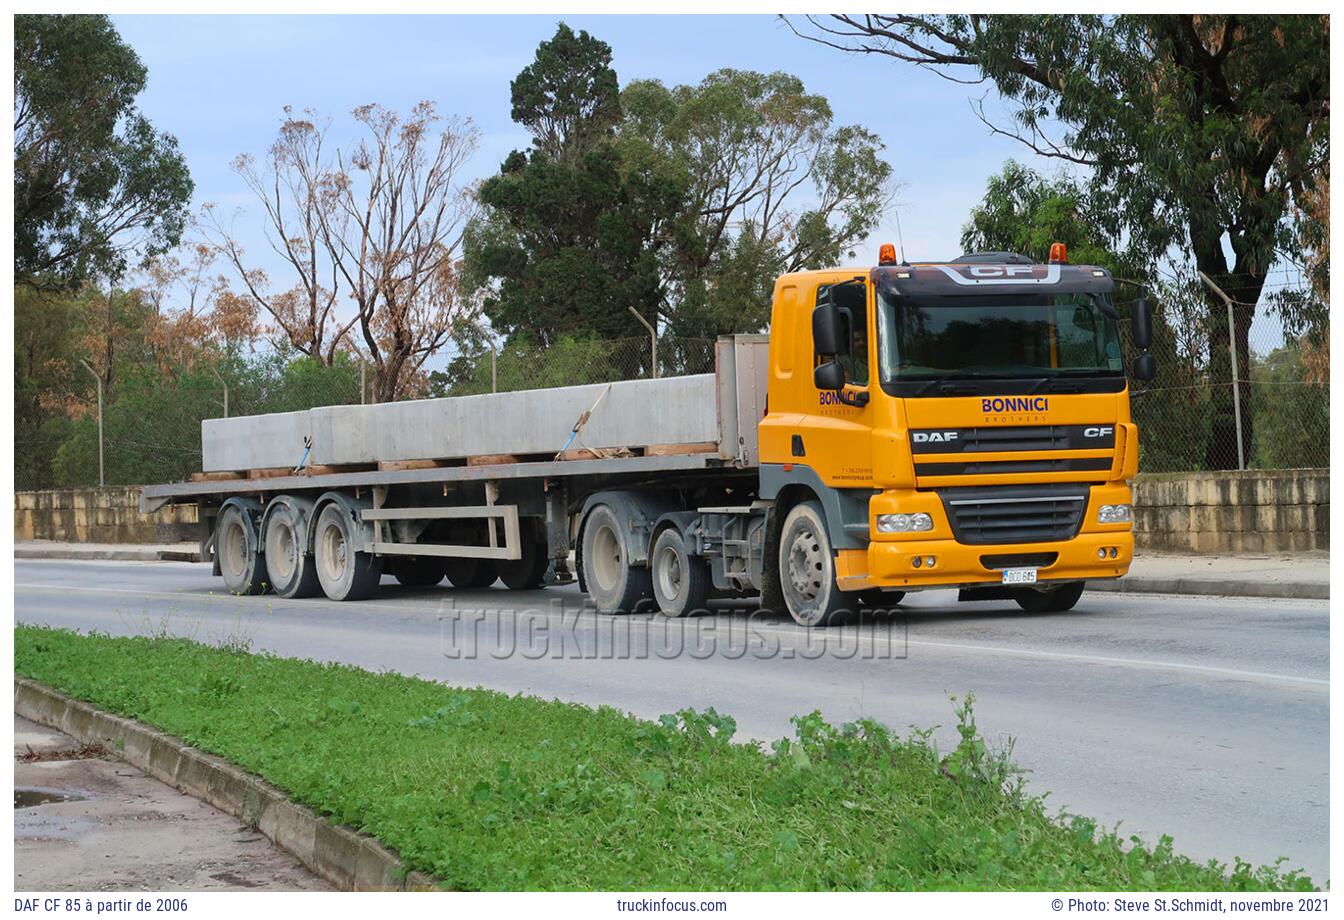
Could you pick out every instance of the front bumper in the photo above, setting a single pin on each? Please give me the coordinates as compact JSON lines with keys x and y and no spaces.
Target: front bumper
{"x":891,"y":564}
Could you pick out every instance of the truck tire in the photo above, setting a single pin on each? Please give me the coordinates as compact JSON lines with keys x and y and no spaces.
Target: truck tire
{"x":807,"y":569}
{"x":879,"y":599}
{"x":416,"y":571}
{"x":528,"y":572}
{"x":345,"y":574}
{"x":291,"y":570}
{"x":680,"y":580}
{"x":466,"y":573}
{"x":1056,"y":600}
{"x":240,"y":560}
{"x":613,"y":583}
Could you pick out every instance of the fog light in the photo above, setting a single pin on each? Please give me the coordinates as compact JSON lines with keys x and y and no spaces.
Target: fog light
{"x":1101,"y":553}
{"x":1114,"y":552}
{"x":1115,"y":514}
{"x":904,"y":523}
{"x":916,"y":562}
{"x":929,"y":561}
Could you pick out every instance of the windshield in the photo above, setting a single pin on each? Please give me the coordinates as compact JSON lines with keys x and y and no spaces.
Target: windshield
{"x":997,"y":336}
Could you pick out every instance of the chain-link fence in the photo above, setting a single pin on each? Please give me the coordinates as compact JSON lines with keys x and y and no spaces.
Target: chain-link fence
{"x":1191,"y":417}
{"x":1187,"y":415}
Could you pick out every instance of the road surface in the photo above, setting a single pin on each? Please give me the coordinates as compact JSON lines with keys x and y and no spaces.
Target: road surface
{"x":1204,"y":718}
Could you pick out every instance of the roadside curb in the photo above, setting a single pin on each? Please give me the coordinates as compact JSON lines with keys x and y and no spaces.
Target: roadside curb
{"x":126,"y":554}
{"x":1285,"y":590}
{"x":349,"y":860}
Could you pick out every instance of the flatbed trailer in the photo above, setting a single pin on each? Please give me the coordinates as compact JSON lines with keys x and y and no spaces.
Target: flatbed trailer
{"x":831,"y":464}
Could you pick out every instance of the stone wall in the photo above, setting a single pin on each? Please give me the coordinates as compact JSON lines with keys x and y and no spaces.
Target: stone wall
{"x":1234,"y":512}
{"x":110,"y":515}
{"x":1254,"y":511}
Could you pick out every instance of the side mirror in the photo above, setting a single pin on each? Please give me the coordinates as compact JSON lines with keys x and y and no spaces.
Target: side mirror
{"x":1141,"y":319}
{"x":829,"y":375}
{"x":1145,"y":367}
{"x":827,"y":329}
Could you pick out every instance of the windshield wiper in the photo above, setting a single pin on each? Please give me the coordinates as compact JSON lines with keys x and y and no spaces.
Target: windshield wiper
{"x":946,"y":385}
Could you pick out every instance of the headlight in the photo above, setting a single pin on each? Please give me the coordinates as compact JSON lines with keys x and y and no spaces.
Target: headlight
{"x":1115,"y":514}
{"x":903,"y":523}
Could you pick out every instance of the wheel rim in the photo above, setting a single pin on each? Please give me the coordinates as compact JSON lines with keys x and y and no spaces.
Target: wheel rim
{"x":806,"y":566}
{"x":607,"y":561}
{"x":333,"y":552}
{"x":667,"y":571}
{"x":281,"y":553}
{"x":234,"y":556}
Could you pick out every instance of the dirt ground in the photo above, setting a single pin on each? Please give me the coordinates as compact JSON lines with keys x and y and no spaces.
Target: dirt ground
{"x":84,"y":822}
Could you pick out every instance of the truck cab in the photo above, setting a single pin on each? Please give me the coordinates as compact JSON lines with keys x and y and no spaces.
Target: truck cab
{"x":962,"y":424}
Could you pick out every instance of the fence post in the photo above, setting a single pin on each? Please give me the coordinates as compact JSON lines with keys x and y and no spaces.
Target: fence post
{"x":494,"y":379}
{"x":225,"y":385}
{"x":362,"y":367}
{"x":102,"y":480}
{"x":1232,"y":349}
{"x":653,"y":339}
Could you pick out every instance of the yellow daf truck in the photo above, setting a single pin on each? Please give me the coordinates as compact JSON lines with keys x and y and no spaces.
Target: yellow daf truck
{"x":906,"y":427}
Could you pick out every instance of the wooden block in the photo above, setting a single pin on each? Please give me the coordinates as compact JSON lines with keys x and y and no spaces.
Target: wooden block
{"x":278,"y":472}
{"x":215,"y":477}
{"x":393,"y":466}
{"x":492,"y":459}
{"x":674,"y":450}
{"x":330,"y":470}
{"x":595,"y":453}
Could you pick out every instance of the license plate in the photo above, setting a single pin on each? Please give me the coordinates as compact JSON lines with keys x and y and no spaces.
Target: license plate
{"x":1019,"y":576}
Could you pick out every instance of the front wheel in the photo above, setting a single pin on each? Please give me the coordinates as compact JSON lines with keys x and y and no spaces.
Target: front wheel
{"x":807,"y":569}
{"x":1056,"y":600}
{"x":345,"y":574}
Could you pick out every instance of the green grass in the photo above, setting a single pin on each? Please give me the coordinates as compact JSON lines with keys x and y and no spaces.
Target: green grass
{"x":489,"y":791}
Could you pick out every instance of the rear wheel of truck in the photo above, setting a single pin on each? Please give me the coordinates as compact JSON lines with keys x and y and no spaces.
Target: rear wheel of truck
{"x":416,"y":571}
{"x":527,"y":572}
{"x":463,"y":572}
{"x":613,"y":583}
{"x":807,"y":569}
{"x":1056,"y":600}
{"x":680,"y":580}
{"x":293,"y":572}
{"x":345,"y":574}
{"x":240,"y":560}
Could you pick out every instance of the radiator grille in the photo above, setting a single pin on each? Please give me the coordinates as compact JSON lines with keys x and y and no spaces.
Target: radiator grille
{"x":1020,"y":514}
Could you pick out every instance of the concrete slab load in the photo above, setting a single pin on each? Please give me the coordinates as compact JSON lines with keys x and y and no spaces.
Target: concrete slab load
{"x":671,"y":410}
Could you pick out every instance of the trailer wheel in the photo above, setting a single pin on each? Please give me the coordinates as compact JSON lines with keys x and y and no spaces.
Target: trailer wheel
{"x":680,"y":580}
{"x":464,"y":573}
{"x":527,"y":572}
{"x":345,"y":574}
{"x":807,"y":569}
{"x":240,"y":560}
{"x":613,"y":583}
{"x":1056,"y":600}
{"x":416,"y":571}
{"x":293,"y":572}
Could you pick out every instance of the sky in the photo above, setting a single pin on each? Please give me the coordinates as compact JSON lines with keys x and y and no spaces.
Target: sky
{"x":220,"y":83}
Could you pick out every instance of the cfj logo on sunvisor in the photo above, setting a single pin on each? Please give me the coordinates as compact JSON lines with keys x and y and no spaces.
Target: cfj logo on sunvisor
{"x":1015,"y":404}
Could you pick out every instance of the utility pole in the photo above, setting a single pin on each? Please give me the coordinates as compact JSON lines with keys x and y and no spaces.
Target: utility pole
{"x":102,"y":479}
{"x":1232,"y":349}
{"x":224,"y":384}
{"x":653,"y":338}
{"x":494,"y":378}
